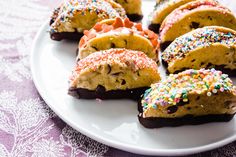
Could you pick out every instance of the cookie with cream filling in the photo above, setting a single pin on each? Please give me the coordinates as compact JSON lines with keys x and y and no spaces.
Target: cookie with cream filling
{"x":113,"y":73}
{"x":194,"y":15}
{"x":74,"y":16}
{"x":163,"y":9}
{"x":189,"y":97}
{"x":133,"y":8}
{"x":118,"y":33}
{"x":206,"y":47}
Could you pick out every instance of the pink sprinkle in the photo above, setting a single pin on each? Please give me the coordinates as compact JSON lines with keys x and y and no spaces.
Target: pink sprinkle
{"x":221,"y":89}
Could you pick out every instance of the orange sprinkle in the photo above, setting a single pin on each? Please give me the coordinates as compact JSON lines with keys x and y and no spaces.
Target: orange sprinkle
{"x":118,"y":23}
{"x":86,"y":32}
{"x":117,"y":26}
{"x":82,"y":41}
{"x":150,"y":34}
{"x":98,"y":27}
{"x":128,"y":23}
{"x":154,"y":42}
{"x":139,"y":27}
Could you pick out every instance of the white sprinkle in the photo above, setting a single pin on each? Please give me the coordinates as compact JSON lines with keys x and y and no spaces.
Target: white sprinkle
{"x":208,"y":93}
{"x":214,"y":91}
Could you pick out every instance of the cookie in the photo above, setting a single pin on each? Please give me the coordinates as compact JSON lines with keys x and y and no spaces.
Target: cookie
{"x":194,"y":15}
{"x":113,"y":74}
{"x":133,"y":9}
{"x":73,"y":17}
{"x":188,"y":98}
{"x":162,"y":10}
{"x":206,"y":47}
{"x":118,"y":33}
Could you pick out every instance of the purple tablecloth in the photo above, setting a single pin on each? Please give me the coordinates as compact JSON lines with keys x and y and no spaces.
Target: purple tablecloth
{"x":27,"y":125}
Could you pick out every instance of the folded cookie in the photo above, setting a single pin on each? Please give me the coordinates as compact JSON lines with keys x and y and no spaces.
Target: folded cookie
{"x":188,"y":98}
{"x":160,"y":1}
{"x":194,"y":15}
{"x":163,"y":9}
{"x":133,"y":8}
{"x":74,"y":16}
{"x":113,"y":74}
{"x":206,"y":47}
{"x":118,"y":33}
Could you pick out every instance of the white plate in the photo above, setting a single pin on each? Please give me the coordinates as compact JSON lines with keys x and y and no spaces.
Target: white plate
{"x":113,"y":122}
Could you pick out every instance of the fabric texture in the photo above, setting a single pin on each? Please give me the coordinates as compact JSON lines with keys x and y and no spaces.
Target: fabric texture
{"x":28,"y":127}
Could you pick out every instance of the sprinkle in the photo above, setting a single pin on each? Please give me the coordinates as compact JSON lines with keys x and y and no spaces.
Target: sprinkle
{"x":70,"y":8}
{"x":135,"y":60}
{"x":214,"y":91}
{"x":178,"y":87}
{"x":185,"y":100}
{"x":209,"y":94}
{"x":121,"y":25}
{"x":222,"y":89}
{"x":178,"y":13}
{"x":154,"y":106}
{"x":203,"y":37}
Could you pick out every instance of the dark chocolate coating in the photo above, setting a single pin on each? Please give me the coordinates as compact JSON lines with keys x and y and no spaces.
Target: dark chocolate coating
{"x":186,"y":120}
{"x":164,"y":63}
{"x":154,"y":27}
{"x":101,"y":93}
{"x":58,"y":36}
{"x":230,"y":72}
{"x":164,"y":45}
{"x":135,"y":17}
{"x":155,"y":122}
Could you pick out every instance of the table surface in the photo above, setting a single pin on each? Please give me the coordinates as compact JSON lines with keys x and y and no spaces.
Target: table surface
{"x":27,"y":125}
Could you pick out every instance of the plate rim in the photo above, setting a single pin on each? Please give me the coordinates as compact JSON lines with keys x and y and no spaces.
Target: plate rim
{"x":108,"y":142}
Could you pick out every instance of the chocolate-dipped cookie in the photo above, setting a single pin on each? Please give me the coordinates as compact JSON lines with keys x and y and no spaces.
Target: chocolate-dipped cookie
{"x":188,"y":98}
{"x":118,"y":33}
{"x":206,"y":47}
{"x":74,"y":16}
{"x":133,"y":9}
{"x":114,"y":73}
{"x":163,"y":9}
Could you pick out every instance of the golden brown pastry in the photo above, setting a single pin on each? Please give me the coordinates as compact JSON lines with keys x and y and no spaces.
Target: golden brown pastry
{"x":206,"y":47}
{"x":194,"y":15}
{"x":74,"y":16}
{"x":133,"y":8}
{"x":162,"y":10}
{"x":113,"y":73}
{"x":190,"y":97}
{"x":119,"y":33}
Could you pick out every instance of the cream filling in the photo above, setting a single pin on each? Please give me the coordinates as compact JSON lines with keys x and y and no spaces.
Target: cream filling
{"x":84,"y":18}
{"x":116,"y":76}
{"x":216,"y":54}
{"x":164,"y":9}
{"x":78,"y":22}
{"x":204,"y":17}
{"x":131,"y":6}
{"x":198,"y":105}
{"x":124,"y":39}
